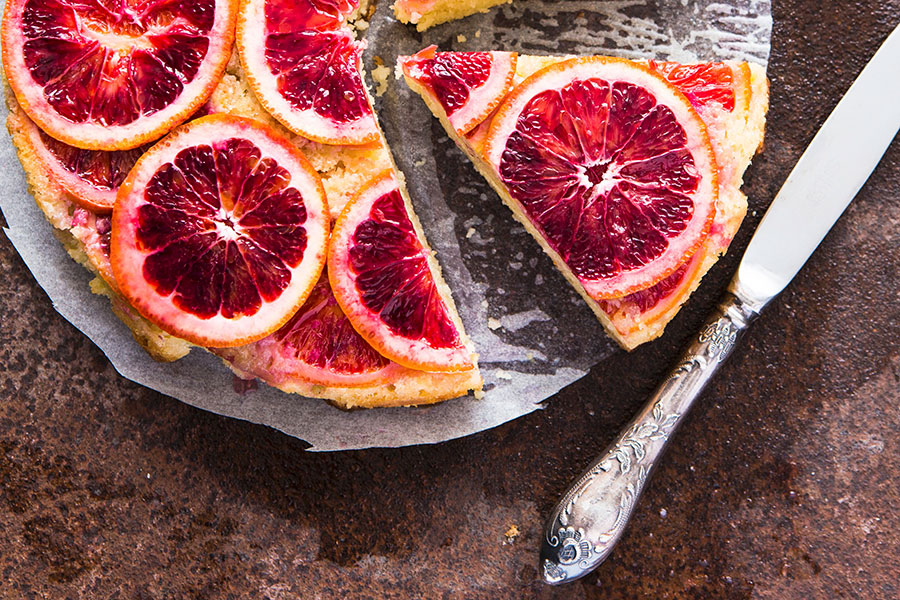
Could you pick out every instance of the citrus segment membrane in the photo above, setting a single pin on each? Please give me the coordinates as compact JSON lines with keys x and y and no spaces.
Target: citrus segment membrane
{"x":219,"y":232}
{"x":381,"y":274}
{"x":612,"y":166}
{"x":304,"y":66}
{"x":113,"y":76}
{"x":467,"y":85}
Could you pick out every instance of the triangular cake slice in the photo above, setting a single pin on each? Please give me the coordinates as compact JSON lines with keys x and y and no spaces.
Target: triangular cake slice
{"x":638,"y":170}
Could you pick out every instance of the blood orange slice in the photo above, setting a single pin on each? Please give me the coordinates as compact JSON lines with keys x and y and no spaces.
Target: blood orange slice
{"x":467,"y":85}
{"x":720,"y":92}
{"x":318,"y":353}
{"x":611,"y":167}
{"x":304,"y":66}
{"x":704,"y":84}
{"x":640,"y":309}
{"x":383,"y":278}
{"x":318,"y":345}
{"x":91,"y":177}
{"x":114,"y":75}
{"x":219,"y":232}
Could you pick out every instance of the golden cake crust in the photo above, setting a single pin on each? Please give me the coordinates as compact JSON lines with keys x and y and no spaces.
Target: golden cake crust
{"x":407,"y":387}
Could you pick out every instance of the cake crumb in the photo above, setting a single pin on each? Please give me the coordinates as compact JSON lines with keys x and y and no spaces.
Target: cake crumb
{"x":380,"y":75}
{"x":420,"y":163}
{"x":505,"y":375}
{"x":494,"y":324}
{"x":478,"y":34}
{"x":479,"y":394}
{"x":511,"y":534}
{"x":470,"y":233}
{"x":461,"y":38}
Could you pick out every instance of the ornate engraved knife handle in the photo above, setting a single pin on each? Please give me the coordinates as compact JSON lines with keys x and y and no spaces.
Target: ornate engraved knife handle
{"x":591,"y":517}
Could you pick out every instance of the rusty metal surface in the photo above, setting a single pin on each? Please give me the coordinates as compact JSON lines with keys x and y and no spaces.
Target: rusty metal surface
{"x":782,"y":484}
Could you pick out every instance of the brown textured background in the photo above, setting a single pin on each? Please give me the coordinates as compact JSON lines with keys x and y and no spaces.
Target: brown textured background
{"x":782,"y":484}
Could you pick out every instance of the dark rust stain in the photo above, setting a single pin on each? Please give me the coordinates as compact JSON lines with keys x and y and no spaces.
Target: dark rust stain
{"x":55,"y":545}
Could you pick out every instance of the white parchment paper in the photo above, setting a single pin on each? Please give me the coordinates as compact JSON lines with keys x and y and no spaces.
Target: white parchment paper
{"x":534,"y":334}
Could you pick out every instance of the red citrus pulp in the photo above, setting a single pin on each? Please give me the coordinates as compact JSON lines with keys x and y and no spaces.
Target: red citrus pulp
{"x":711,"y":87}
{"x":467,"y":85}
{"x":717,"y":91}
{"x":219,"y":232}
{"x":641,"y":308}
{"x":304,"y":66}
{"x":612,"y":166}
{"x":381,"y":274}
{"x":704,"y":84}
{"x":91,"y":177}
{"x":318,"y":345}
{"x":114,"y":75}
{"x":318,"y":353}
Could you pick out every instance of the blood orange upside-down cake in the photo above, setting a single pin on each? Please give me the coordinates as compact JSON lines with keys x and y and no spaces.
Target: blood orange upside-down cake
{"x":628,"y":173}
{"x":217,"y":235}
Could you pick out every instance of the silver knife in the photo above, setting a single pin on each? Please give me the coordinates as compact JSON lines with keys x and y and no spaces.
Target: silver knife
{"x":594,"y":512}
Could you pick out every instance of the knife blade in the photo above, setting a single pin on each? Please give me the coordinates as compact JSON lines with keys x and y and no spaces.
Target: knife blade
{"x":831,"y":171}
{"x":591,"y":516}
